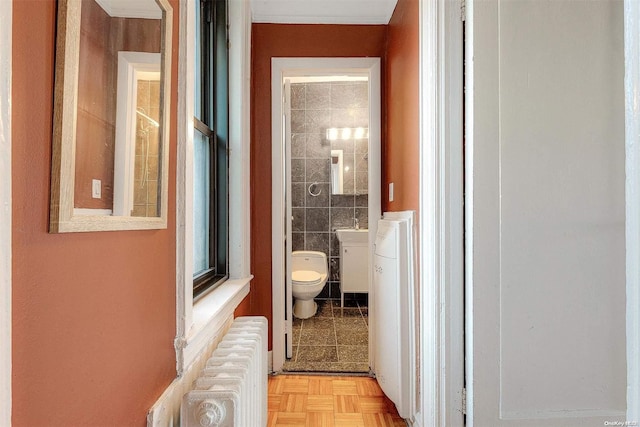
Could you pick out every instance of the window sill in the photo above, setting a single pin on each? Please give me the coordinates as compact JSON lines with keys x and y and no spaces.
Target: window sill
{"x":210,"y":314}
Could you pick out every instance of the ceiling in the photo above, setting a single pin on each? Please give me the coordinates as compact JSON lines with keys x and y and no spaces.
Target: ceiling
{"x":322,"y":11}
{"x":147,"y":9}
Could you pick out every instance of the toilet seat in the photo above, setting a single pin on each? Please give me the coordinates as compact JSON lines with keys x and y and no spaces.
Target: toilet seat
{"x":306,"y":277}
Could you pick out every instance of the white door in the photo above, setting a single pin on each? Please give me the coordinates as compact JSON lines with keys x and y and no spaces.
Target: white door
{"x":545,"y":213}
{"x":286,"y":125}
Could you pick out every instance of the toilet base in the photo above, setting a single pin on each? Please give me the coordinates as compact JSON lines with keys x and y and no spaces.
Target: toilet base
{"x":304,"y":309}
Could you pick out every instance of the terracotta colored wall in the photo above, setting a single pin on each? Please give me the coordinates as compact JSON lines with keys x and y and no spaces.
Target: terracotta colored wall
{"x":93,"y":313}
{"x":101,"y":38}
{"x":401,"y":153}
{"x":244,"y":308}
{"x":273,"y":40}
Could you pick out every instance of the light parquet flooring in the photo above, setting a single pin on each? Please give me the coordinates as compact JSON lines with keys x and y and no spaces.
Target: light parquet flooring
{"x":329,"y":401}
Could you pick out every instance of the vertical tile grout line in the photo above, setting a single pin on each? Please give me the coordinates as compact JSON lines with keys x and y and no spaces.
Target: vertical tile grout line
{"x":335,"y":332}
{"x":367,"y":328}
{"x":299,"y":339}
{"x":304,"y":181}
{"x":330,"y":254}
{"x":362,"y":314}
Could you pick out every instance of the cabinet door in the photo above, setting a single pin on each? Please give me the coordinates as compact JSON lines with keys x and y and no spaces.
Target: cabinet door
{"x":355,"y":269}
{"x":386,"y":327}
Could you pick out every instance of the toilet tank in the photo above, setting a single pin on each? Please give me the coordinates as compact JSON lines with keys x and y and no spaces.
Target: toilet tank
{"x":309,"y":260}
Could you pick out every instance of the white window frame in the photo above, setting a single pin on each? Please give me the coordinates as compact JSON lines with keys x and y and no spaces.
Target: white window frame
{"x":200,"y":322}
{"x":5,"y":211}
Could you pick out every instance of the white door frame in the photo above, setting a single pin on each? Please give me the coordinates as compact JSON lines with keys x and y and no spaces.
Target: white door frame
{"x":288,"y":223}
{"x":441,"y":228}
{"x":632,"y":222}
{"x":292,"y":67}
{"x":131,"y":67}
{"x":5,"y":212}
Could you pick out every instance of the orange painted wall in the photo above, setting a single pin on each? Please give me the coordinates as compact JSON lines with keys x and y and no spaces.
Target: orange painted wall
{"x":244,"y":308}
{"x":401,"y":153}
{"x":274,"y":40}
{"x":93,"y":313}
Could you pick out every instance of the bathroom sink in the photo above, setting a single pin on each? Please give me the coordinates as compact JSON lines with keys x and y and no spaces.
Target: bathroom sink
{"x":351,"y":235}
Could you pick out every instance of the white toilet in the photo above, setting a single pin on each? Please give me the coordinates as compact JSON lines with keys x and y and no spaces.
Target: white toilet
{"x":309,"y":275}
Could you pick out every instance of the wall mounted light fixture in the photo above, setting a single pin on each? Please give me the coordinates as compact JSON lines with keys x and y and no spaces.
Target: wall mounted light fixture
{"x":334,"y":134}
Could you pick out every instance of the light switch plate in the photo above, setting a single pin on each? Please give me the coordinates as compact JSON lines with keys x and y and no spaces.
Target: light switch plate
{"x":96,"y":188}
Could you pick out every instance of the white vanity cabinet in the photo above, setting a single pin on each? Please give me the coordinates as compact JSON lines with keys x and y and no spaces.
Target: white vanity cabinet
{"x":354,"y":262}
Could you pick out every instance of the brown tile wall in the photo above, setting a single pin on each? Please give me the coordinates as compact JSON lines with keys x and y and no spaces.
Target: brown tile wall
{"x":314,"y":108}
{"x":145,"y":193}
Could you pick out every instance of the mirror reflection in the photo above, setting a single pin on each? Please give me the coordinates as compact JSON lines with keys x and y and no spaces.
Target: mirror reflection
{"x":349,"y":160}
{"x":119,"y":108}
{"x":145,"y":190}
{"x":109,"y":165}
{"x":337,"y":174}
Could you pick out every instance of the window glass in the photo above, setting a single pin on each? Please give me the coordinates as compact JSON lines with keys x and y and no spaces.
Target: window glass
{"x":201,"y":203}
{"x":197,"y":81}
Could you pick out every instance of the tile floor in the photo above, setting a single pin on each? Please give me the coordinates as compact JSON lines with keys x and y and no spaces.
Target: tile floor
{"x":334,"y":340}
{"x":329,"y":401}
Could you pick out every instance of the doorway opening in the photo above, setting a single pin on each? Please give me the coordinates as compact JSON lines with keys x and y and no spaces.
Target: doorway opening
{"x":326,"y":203}
{"x":329,"y":145}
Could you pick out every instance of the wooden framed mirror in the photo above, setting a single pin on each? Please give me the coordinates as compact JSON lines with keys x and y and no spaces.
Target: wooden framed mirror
{"x":111,"y":116}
